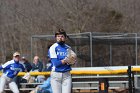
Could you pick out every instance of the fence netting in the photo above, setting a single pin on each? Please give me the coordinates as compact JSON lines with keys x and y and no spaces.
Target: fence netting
{"x":94,"y":49}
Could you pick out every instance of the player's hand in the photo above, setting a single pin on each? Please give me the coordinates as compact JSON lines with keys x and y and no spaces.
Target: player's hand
{"x":71,"y":57}
{"x":63,"y":61}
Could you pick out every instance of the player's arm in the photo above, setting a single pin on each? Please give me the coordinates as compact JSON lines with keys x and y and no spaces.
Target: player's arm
{"x":56,"y":62}
{"x":53,"y":57}
{"x":1,"y":67}
{"x":27,"y":74}
{"x":6,"y":65}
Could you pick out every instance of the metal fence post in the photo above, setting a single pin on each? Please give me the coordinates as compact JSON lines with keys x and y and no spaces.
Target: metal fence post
{"x":129,"y":72}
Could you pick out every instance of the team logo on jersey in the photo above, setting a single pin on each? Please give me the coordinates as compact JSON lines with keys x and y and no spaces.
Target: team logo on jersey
{"x":61,"y":53}
{"x":15,"y":68}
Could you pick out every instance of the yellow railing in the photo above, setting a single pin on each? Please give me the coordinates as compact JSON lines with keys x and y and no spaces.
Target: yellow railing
{"x":88,"y":72}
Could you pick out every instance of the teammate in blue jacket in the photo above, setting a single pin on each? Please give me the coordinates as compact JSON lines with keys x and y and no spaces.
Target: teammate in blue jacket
{"x":60,"y":75}
{"x":10,"y":70}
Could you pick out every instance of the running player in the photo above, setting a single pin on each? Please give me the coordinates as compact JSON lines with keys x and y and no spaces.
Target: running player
{"x":10,"y":70}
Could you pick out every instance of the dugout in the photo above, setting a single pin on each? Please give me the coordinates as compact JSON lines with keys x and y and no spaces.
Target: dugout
{"x":95,"y":49}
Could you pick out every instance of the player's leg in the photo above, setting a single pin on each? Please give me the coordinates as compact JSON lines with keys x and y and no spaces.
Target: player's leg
{"x":66,"y":83}
{"x":17,"y":80}
{"x":40,"y":78}
{"x":56,"y":79}
{"x":2,"y":83}
{"x":13,"y":86}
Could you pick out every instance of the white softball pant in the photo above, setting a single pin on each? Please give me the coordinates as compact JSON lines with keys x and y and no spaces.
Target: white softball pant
{"x":6,"y":80}
{"x":61,"y":82}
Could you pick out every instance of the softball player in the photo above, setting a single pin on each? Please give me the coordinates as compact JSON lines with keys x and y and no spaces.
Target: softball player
{"x":10,"y":70}
{"x":60,"y":75}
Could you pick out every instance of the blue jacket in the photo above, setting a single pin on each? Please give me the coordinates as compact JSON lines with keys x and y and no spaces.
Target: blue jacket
{"x":28,"y":66}
{"x":38,"y":66}
{"x":12,"y":68}
{"x":46,"y":87}
{"x":57,"y":53}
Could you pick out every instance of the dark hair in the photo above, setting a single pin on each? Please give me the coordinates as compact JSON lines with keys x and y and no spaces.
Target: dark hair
{"x":61,"y":32}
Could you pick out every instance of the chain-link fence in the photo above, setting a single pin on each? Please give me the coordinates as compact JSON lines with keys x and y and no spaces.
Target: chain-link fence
{"x":94,"y":49}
